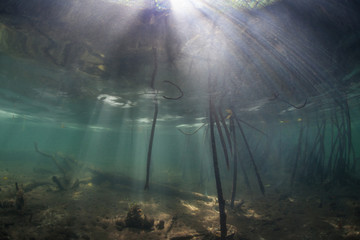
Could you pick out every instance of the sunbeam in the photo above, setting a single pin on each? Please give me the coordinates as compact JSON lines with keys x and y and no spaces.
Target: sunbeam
{"x":179,"y":119}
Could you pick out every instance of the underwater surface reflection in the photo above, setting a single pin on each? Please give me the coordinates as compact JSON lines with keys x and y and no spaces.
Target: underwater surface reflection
{"x":179,"y":119}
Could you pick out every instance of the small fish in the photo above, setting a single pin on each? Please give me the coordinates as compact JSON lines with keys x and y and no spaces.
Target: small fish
{"x":101,"y":67}
{"x":5,"y":178}
{"x":291,"y":199}
{"x":230,"y":113}
{"x":284,"y":121}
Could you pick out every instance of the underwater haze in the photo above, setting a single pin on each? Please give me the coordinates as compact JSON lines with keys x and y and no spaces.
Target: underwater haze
{"x":179,"y":119}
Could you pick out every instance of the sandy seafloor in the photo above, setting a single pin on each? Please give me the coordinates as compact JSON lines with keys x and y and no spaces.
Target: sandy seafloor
{"x":94,"y":208}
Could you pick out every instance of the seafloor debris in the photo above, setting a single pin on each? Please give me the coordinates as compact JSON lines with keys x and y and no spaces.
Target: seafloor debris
{"x":136,"y":219}
{"x":160,"y":225}
{"x":18,"y":202}
{"x":68,"y":167}
{"x":7,"y":203}
{"x":19,"y":199}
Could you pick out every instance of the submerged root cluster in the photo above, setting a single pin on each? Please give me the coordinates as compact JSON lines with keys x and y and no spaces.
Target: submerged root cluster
{"x":67,"y":166}
{"x":136,"y":219}
{"x":18,"y":203}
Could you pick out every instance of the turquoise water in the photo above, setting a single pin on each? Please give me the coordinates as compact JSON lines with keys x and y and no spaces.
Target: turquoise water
{"x":114,"y":137}
{"x":79,"y":88}
{"x":120,"y":144}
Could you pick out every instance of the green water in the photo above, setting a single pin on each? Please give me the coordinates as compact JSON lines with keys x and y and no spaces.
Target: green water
{"x":79,"y":84}
{"x":116,"y":138}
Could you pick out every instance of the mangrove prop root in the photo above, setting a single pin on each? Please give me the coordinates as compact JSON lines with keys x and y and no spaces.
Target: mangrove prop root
{"x":191,"y":133}
{"x":351,"y":149}
{"x":150,"y":145}
{"x":62,"y":170}
{"x":227,"y":132}
{"x":223,"y":144}
{"x":153,"y":123}
{"x":249,"y":125}
{"x":297,"y":107}
{"x":298,"y":152}
{"x":221,"y":200}
{"x":152,"y":84}
{"x":42,"y":153}
{"x":261,"y":185}
{"x":178,"y":88}
{"x":19,"y":199}
{"x":246,"y":178}
{"x":234,"y":153}
{"x":276,"y":97}
{"x":58,"y":183}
